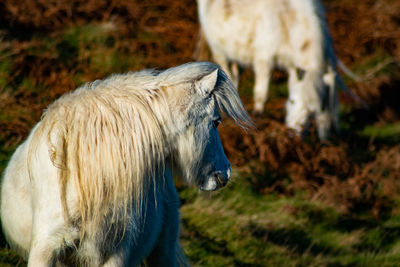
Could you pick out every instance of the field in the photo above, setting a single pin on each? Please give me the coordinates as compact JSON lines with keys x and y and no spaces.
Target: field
{"x":292,"y":201}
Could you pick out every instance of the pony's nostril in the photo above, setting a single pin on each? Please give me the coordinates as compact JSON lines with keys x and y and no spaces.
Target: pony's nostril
{"x":223,"y":182}
{"x":221,"y":179}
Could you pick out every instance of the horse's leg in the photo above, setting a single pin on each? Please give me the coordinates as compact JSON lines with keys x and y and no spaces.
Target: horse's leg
{"x":221,"y":60}
{"x":47,"y":247}
{"x":293,"y":79}
{"x":328,"y":116}
{"x":262,"y":71}
{"x":296,"y":111}
{"x":235,"y":74}
{"x":181,"y":259}
{"x":316,"y":96}
{"x":16,"y":207}
{"x":41,"y":253}
{"x":164,"y":253}
{"x":50,"y":232}
{"x":46,"y":244}
{"x":201,"y":53}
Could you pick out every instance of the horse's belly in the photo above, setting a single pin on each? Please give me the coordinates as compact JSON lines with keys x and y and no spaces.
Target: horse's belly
{"x":233,"y":38}
{"x":16,"y":210}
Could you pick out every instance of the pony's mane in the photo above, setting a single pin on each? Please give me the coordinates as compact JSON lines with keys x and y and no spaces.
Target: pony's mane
{"x":227,"y":97}
{"x":107,"y":139}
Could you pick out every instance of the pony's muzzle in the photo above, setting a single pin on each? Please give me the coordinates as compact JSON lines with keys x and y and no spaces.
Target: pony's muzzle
{"x":216,"y":180}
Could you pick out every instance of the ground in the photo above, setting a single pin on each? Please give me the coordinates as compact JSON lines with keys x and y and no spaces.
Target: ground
{"x":292,"y":201}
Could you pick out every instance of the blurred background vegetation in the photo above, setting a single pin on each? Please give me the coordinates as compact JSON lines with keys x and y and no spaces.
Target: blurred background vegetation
{"x":291,"y":202}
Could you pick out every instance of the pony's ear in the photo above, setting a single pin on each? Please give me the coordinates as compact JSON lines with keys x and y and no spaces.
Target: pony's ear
{"x":206,"y":84}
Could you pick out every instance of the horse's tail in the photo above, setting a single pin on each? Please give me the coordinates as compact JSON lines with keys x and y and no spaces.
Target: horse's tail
{"x":342,"y":85}
{"x":347,"y":71}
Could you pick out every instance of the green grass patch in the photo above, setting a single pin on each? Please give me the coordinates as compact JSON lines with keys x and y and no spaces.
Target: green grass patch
{"x":389,"y":133}
{"x":240,"y":227}
{"x":107,"y":61}
{"x":373,"y":65}
{"x":5,"y":65}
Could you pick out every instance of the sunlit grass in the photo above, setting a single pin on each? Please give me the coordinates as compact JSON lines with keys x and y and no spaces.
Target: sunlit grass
{"x":387,"y":132}
{"x":238,"y":227}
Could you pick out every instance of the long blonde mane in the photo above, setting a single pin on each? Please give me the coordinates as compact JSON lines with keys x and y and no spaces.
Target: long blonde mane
{"x":108,"y":140}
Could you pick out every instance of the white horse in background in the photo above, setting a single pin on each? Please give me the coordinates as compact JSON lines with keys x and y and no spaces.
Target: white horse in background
{"x":291,"y":34}
{"x":92,"y":185}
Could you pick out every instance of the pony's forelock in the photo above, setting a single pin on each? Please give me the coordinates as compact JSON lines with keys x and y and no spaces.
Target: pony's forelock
{"x":228,"y":99}
{"x":229,"y":102}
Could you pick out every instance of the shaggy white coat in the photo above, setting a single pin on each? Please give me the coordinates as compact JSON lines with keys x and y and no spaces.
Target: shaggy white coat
{"x":92,"y":185}
{"x":291,"y":34}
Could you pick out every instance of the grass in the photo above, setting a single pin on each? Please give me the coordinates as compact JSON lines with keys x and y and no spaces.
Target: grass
{"x":8,"y":259}
{"x":238,"y":227}
{"x":390,"y":132}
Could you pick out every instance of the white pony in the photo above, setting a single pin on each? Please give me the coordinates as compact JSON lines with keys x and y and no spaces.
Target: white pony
{"x":92,"y":185}
{"x":289,"y":33}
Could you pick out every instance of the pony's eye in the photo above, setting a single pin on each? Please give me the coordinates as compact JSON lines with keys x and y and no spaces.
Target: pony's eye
{"x":216,"y":122}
